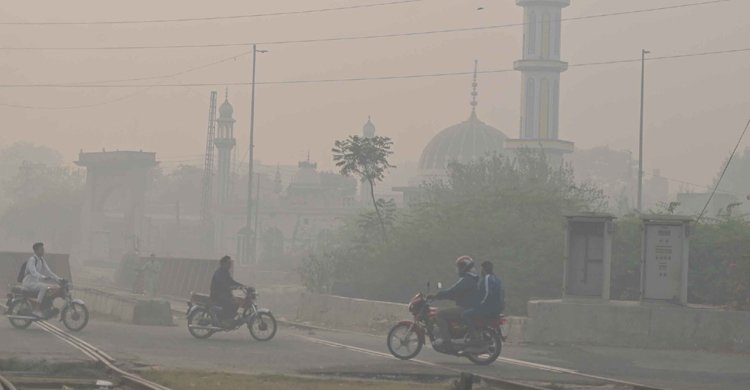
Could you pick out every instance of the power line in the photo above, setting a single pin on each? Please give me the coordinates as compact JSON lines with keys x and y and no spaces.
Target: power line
{"x":363,"y":78}
{"x":354,"y":37}
{"x":209,"y":18}
{"x":128,"y":96}
{"x":723,"y":171}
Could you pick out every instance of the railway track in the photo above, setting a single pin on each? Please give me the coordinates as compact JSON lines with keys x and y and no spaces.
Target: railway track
{"x":131,"y":380}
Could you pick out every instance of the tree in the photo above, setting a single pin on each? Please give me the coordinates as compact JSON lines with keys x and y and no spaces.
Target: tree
{"x":508,"y":211}
{"x":366,"y":158}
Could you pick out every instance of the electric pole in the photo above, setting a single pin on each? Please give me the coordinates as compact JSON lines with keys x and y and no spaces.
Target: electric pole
{"x":249,"y":222}
{"x":640,"y":138}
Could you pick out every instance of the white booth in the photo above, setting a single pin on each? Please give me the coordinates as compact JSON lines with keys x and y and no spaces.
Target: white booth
{"x":664,"y":258}
{"x":588,"y":255}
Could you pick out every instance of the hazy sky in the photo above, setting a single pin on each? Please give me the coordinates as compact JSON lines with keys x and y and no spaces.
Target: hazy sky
{"x":695,"y":110}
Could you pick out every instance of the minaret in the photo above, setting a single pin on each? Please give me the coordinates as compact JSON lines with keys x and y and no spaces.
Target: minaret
{"x":540,"y":69}
{"x":365,"y":197}
{"x":224,"y":142}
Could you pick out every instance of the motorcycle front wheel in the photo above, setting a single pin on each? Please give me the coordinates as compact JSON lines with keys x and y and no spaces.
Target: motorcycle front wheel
{"x":403,"y":342}
{"x":494,"y":346}
{"x":20,"y":308}
{"x":75,"y":317}
{"x":262,"y":326}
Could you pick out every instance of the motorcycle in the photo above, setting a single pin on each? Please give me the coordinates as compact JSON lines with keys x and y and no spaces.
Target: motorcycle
{"x":74,"y":314}
{"x":406,"y":338}
{"x":203,"y":316}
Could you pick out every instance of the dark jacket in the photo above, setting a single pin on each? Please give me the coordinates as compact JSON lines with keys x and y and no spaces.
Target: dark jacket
{"x":491,"y":294}
{"x":222,"y":285}
{"x":463,"y":292}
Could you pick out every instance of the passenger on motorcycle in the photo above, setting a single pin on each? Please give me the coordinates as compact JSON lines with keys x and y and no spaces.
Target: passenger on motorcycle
{"x":37,"y":278}
{"x":463,"y":292}
{"x":222,"y":285}
{"x":492,"y":302}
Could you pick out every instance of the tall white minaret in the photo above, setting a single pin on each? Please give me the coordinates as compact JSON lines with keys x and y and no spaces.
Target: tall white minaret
{"x":540,"y":69}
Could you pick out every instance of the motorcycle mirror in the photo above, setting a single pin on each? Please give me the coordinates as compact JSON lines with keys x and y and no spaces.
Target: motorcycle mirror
{"x":440,"y":284}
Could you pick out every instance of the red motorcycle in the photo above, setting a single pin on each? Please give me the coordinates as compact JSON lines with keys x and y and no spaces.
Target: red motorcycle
{"x":405,"y":339}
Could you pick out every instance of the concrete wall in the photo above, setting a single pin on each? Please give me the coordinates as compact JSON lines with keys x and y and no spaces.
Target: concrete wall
{"x":10,"y":264}
{"x":124,"y":308}
{"x":632,"y":324}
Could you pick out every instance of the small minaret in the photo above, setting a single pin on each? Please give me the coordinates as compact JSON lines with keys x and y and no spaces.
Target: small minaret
{"x":224,"y":142}
{"x":277,"y":186}
{"x":368,"y":131}
{"x":540,"y":68}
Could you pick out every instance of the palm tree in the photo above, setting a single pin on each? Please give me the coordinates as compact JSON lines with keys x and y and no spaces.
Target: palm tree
{"x":367,"y":158}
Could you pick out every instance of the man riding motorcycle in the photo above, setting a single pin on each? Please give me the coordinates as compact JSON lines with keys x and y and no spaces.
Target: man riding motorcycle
{"x":37,"y":278}
{"x":463,"y":292}
{"x":222,"y":285}
{"x":492,"y":302}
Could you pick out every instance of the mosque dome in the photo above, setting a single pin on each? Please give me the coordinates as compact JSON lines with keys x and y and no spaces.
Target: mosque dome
{"x":463,"y":142}
{"x":368,"y":130}
{"x":226,"y":110}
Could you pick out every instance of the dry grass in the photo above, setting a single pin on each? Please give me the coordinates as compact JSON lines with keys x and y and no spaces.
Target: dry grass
{"x":190,"y":380}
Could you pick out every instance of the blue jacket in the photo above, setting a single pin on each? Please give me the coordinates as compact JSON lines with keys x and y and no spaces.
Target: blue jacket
{"x":491,"y":294}
{"x":463,"y":292}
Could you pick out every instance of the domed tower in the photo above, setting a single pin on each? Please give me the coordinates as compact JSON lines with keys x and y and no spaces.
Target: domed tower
{"x":540,"y":68}
{"x":462,"y":143}
{"x":224,"y":142}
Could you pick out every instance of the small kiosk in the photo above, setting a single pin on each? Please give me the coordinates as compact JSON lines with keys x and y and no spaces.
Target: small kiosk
{"x":588,"y":255}
{"x":664,"y":258}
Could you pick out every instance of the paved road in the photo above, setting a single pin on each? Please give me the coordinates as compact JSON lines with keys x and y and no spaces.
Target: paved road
{"x":304,"y":351}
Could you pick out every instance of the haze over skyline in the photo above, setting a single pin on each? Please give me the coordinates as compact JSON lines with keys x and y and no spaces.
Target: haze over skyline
{"x":695,"y":107}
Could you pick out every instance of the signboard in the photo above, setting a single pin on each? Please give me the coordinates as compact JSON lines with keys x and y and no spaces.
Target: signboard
{"x":665,"y":262}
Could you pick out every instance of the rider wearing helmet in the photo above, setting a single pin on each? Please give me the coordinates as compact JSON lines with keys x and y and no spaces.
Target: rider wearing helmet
{"x":463,"y":292}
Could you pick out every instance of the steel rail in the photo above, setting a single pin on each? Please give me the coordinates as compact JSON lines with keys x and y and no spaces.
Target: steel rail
{"x":5,"y":384}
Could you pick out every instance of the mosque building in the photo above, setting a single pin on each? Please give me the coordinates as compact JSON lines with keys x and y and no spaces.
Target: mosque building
{"x":540,"y":68}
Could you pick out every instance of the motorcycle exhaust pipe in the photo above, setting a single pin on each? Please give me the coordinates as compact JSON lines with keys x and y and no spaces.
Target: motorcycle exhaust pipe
{"x":199,"y":327}
{"x":17,"y":317}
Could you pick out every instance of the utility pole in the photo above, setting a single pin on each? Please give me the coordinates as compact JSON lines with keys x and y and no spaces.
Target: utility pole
{"x":255,"y":228}
{"x":249,"y":221}
{"x":640,"y":139}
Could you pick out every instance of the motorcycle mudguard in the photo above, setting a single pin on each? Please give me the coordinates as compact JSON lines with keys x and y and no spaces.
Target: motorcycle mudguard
{"x":191,"y":310}
{"x":417,"y":328}
{"x":79,"y":301}
{"x":262,"y":310}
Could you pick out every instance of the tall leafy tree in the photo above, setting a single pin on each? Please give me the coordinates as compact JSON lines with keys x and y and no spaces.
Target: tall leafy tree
{"x":366,"y":158}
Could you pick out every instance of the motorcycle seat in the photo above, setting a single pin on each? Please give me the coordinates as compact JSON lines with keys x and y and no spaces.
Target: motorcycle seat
{"x":19,"y":290}
{"x":200,"y":299}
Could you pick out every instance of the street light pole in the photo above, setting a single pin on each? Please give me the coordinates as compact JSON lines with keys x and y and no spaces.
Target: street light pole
{"x":248,"y":223}
{"x":640,"y":138}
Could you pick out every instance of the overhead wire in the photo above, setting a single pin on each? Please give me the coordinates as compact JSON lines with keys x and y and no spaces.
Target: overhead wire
{"x":349,"y":38}
{"x":208,"y":18}
{"x":362,"y":78}
{"x":723,"y":172}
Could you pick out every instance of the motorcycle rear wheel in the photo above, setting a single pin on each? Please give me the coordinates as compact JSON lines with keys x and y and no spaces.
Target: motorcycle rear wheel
{"x":495,"y":346}
{"x":200,"y":317}
{"x":401,"y":336}
{"x":20,"y":308}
